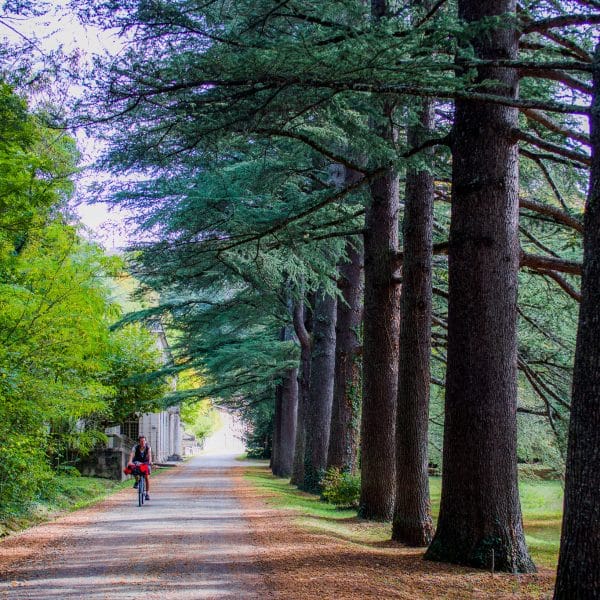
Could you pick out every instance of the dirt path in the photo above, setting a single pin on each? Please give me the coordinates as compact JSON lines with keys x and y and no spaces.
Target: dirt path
{"x":191,"y":541}
{"x":208,"y":532}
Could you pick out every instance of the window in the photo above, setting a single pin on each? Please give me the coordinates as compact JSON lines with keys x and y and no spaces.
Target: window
{"x":131,"y":428}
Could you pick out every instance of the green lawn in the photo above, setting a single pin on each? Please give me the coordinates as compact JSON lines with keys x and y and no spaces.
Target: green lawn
{"x":63,"y":493}
{"x":542,"y":514}
{"x":541,"y":502}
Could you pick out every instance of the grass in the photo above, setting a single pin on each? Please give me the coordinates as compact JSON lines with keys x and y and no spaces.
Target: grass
{"x":542,"y":515}
{"x":312,"y":512}
{"x":541,"y":503}
{"x":72,"y":493}
{"x":64,"y":493}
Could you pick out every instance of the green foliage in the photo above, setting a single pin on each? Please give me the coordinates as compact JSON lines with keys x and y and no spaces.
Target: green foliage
{"x":36,"y":164}
{"x":239,"y":115}
{"x":62,"y":492}
{"x":201,"y":418}
{"x":63,"y":374}
{"x":131,"y":358}
{"x":24,"y":471}
{"x":259,"y":432}
{"x":341,"y":488}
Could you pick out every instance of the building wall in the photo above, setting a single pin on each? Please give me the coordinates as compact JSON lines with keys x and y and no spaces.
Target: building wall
{"x":163,"y":432}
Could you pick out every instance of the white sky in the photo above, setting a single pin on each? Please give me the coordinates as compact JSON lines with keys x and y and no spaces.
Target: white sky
{"x":59,"y":28}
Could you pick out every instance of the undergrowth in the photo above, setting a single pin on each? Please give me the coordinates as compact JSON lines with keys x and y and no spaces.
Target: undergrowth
{"x":60,"y":494}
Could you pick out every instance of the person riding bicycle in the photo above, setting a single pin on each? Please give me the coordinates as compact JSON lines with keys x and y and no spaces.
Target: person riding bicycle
{"x":142,"y":453}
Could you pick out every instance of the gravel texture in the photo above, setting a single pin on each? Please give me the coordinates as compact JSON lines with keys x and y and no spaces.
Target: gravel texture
{"x":208,"y":532}
{"x":190,"y":541}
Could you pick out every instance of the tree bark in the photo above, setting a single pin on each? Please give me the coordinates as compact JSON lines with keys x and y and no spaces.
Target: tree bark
{"x":380,"y":346}
{"x":345,"y":414}
{"x":480,"y":521}
{"x":276,"y":437}
{"x":320,"y":393}
{"x":412,"y":523}
{"x":302,"y":327}
{"x":578,"y":574}
{"x":288,"y":392}
{"x":381,"y":329}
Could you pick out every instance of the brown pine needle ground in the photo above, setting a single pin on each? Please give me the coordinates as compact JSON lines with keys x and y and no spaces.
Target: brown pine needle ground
{"x":306,"y":556}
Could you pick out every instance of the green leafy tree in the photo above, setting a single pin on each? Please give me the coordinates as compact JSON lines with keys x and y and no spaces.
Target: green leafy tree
{"x":63,"y":373}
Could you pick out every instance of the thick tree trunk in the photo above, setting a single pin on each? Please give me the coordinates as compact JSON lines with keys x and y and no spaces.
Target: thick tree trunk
{"x":578,"y":574}
{"x":380,"y":337}
{"x":345,"y":414}
{"x":320,"y":393}
{"x":285,"y":416}
{"x":302,"y":329}
{"x":480,"y":520}
{"x":380,"y":350}
{"x":412,"y":523}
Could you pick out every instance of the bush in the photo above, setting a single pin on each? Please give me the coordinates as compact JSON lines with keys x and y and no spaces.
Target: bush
{"x":69,"y":470}
{"x":341,"y":489}
{"x":258,"y":437}
{"x":24,"y":472}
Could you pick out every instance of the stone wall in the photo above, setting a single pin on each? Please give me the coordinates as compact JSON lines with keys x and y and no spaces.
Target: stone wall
{"x":107,"y":463}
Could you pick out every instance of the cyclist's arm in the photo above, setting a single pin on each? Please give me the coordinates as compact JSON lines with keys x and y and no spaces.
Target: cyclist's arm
{"x":131,"y":455}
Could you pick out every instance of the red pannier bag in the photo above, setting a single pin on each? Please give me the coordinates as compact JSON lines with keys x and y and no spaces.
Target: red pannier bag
{"x":139,"y":469}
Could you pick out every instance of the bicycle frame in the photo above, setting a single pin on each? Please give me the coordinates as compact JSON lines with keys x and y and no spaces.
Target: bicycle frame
{"x":141,"y":490}
{"x":141,"y":472}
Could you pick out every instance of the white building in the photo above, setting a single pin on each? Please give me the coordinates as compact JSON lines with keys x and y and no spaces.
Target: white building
{"x":163,"y":430}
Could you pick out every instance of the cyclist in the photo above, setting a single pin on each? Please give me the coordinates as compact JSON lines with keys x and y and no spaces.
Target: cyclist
{"x":142,"y":453}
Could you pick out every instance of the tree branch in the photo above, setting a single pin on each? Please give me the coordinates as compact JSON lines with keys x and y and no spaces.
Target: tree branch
{"x":550,"y":263}
{"x":311,"y":143}
{"x":548,"y":176}
{"x":573,"y":155}
{"x":562,"y":283}
{"x":557,"y":75}
{"x":552,"y":125}
{"x":562,"y":21}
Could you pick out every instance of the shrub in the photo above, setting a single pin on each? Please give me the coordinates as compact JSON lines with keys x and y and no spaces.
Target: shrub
{"x":68,"y":470}
{"x":24,"y":473}
{"x":341,"y":488}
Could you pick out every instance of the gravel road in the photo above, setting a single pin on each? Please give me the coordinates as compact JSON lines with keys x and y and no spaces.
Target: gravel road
{"x":190,"y":541}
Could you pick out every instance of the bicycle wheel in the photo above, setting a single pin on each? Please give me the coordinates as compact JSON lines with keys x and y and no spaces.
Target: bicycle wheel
{"x":141,"y":491}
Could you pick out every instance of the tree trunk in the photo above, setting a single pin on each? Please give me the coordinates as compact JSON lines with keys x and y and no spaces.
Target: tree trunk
{"x":381,"y":329}
{"x":578,"y":574}
{"x":412,"y":523}
{"x":320,"y":393}
{"x":345,"y":414}
{"x":274,"y":462}
{"x":302,"y":329}
{"x":480,"y":520}
{"x":288,"y":391}
{"x":380,"y":350}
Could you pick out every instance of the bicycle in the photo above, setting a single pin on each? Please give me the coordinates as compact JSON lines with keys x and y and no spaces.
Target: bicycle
{"x":141,"y":488}
{"x":139,"y":470}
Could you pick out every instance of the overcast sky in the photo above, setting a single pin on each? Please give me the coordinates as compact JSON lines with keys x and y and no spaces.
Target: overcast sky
{"x":59,"y":28}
